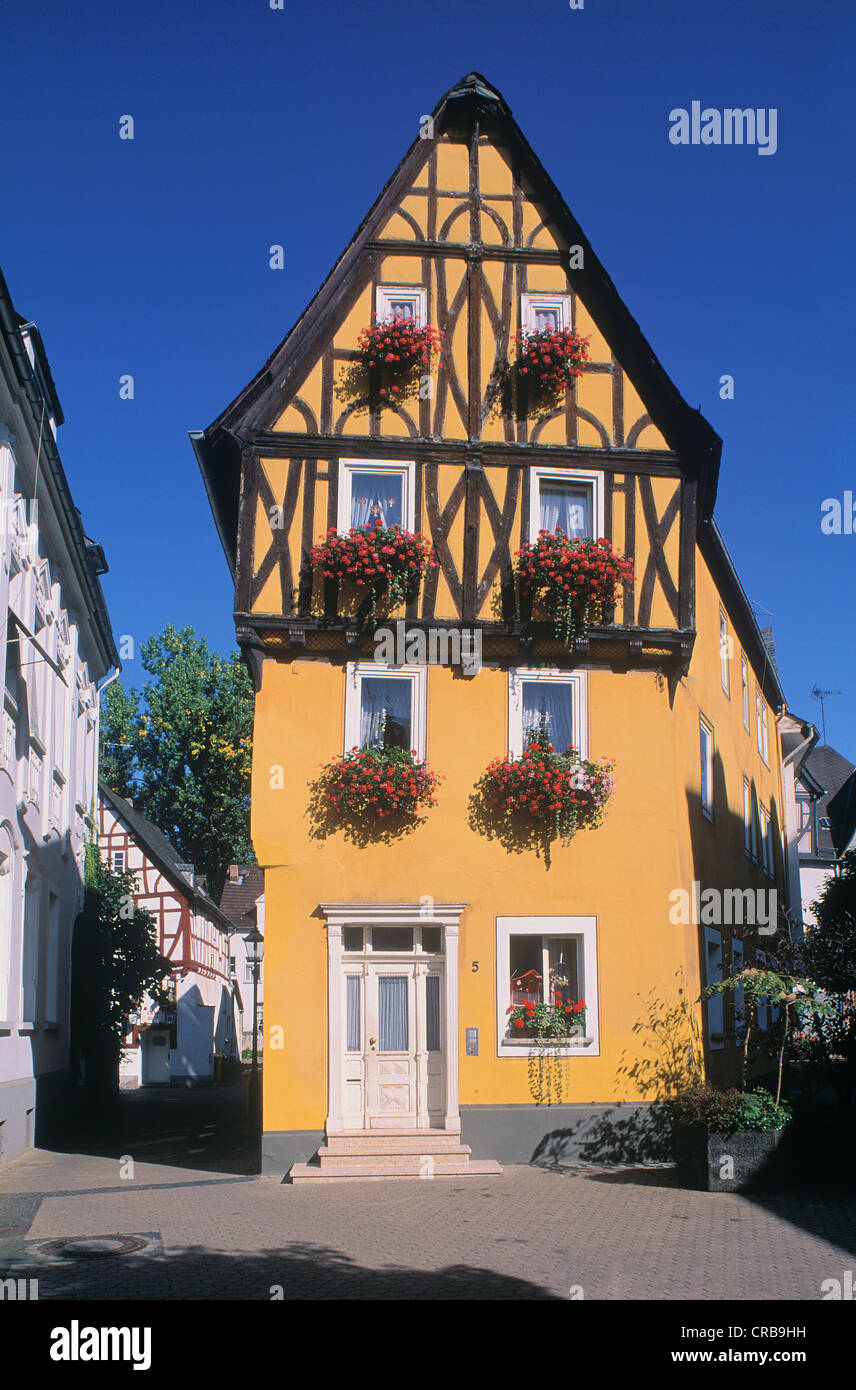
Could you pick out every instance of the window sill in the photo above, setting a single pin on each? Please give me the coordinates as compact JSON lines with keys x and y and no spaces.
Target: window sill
{"x":560,"y":1045}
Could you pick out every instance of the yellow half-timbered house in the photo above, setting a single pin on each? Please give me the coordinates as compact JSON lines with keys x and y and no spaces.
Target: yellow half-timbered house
{"x":391,"y":963}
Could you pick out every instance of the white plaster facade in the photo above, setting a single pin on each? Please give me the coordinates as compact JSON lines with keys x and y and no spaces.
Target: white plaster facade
{"x":56,"y":651}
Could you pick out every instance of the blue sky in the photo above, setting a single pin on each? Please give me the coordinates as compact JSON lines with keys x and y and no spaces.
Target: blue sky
{"x":257,"y":126}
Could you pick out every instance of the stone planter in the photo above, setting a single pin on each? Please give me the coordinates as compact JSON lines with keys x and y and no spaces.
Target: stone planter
{"x":716,"y":1162}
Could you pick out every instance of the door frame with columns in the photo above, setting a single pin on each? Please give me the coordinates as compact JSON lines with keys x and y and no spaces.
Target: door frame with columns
{"x":446,"y":916}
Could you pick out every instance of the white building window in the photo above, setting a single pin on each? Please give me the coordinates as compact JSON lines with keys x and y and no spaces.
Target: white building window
{"x":118,"y":861}
{"x":724,"y":653}
{"x":545,"y":313}
{"x":747,"y":818}
{"x":547,"y":959}
{"x":565,"y":500}
{"x":402,"y":301}
{"x":385,"y":707}
{"x":744,"y":676}
{"x":713,"y":974}
{"x":376,"y":493}
{"x":706,"y":760}
{"x":556,"y":701}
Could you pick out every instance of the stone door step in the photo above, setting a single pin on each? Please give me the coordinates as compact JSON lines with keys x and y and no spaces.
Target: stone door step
{"x":379,"y":1166}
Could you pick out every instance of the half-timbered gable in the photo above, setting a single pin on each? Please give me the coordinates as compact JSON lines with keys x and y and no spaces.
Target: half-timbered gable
{"x":193,"y":934}
{"x":472,"y":230}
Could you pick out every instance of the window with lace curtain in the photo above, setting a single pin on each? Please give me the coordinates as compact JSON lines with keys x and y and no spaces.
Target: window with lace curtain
{"x":375,"y":493}
{"x":385,"y":707}
{"x":567,"y":501}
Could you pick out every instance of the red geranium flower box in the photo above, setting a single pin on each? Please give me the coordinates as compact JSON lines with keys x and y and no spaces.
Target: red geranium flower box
{"x":383,"y":562}
{"x":577,"y":579}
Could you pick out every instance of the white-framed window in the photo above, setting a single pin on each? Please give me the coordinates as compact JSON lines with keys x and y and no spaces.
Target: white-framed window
{"x":562,"y":499}
{"x":545,"y":313}
{"x":385,"y":706}
{"x":724,"y":653}
{"x":402,"y":301}
{"x":118,"y":861}
{"x":744,"y":677}
{"x":747,"y":818}
{"x":705,"y":732}
{"x":766,"y":841}
{"x":373,"y":491}
{"x":248,"y":972}
{"x":562,"y":953}
{"x":753,"y":828}
{"x":556,"y":701}
{"x":761,"y":725}
{"x":739,"y":994}
{"x":713,"y":974}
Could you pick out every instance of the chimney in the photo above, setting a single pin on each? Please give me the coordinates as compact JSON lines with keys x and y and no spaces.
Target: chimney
{"x":233,"y":873}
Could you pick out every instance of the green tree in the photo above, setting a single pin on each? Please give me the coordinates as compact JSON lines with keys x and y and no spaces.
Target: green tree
{"x":830,"y":949}
{"x":115,"y":963}
{"x":181,"y":749}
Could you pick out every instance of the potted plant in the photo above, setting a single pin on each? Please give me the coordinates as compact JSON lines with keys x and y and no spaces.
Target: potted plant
{"x":559,"y":1020}
{"x":575,"y":579}
{"x":723,"y":1139}
{"x":394,"y":351}
{"x":382,"y":788}
{"x":542,"y":791}
{"x":383,"y":564}
{"x":548,"y":364}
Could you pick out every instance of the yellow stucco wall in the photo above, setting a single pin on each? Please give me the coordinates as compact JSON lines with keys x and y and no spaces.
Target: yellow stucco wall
{"x":653,"y":840}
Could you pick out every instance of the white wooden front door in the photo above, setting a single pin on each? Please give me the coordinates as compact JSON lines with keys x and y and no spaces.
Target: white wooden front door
{"x":394,"y":1071}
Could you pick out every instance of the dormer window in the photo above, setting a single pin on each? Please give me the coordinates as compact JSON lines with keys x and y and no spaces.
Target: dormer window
{"x":545,"y":313}
{"x":402,"y":301}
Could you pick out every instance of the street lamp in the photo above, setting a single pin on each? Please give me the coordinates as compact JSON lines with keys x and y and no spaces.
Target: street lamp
{"x":255,"y":955}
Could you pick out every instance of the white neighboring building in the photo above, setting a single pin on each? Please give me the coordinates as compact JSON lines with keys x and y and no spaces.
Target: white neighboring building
{"x":56,"y":649}
{"x":175,"y":1044}
{"x":825,"y":800}
{"x":243,"y":900}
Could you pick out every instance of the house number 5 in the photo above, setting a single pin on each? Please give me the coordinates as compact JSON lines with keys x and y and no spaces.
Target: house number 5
{"x":475,"y":967}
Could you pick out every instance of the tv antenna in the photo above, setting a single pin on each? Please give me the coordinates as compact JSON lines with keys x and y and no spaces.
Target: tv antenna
{"x":821,"y":696}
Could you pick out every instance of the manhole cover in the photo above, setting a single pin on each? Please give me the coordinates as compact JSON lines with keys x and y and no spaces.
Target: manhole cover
{"x":74,"y":1247}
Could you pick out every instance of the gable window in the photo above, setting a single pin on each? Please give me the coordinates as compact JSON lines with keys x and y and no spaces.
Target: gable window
{"x":385,"y":707}
{"x":545,"y":313}
{"x":402,"y":302}
{"x":724,"y":653}
{"x":706,"y":760}
{"x":548,"y":700}
{"x":375,"y":493}
{"x":744,"y":676}
{"x":549,"y":960}
{"x":566,"y":501}
{"x":118,"y":861}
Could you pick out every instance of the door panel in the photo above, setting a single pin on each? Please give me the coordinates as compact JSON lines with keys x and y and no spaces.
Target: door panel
{"x":391,"y":1100}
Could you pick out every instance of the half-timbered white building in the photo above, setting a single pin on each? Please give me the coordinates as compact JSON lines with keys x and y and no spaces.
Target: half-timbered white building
{"x":57,"y":652}
{"x":176,"y":1044}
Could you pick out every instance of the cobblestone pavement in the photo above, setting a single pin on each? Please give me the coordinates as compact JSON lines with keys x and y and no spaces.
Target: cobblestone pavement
{"x":530,"y":1234}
